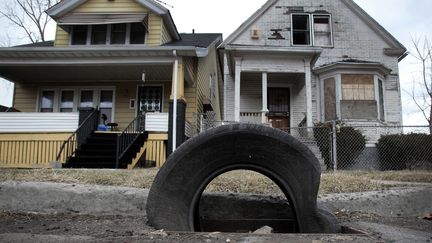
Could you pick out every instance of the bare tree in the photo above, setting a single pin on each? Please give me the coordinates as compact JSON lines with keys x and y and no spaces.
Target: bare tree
{"x":29,"y":16}
{"x":421,"y":92}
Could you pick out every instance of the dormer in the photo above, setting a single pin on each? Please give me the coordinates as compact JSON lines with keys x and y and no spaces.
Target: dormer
{"x":112,"y":23}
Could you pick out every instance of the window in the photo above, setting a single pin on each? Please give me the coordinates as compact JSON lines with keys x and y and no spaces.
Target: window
{"x":113,"y":34}
{"x":150,"y":99}
{"x":300,"y":29}
{"x":106,"y":104}
{"x":79,"y":35}
{"x":358,"y":87}
{"x":86,"y":98}
{"x":47,"y":101}
{"x":99,"y":34}
{"x":118,"y":34}
{"x":306,"y":34}
{"x":137,"y":35}
{"x":67,"y":101}
{"x":322,"y":30}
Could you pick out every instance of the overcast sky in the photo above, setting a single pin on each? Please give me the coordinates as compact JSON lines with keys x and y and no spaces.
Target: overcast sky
{"x":403,"y":18}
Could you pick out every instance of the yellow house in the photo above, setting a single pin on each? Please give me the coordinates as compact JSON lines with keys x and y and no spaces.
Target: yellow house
{"x":110,"y":89}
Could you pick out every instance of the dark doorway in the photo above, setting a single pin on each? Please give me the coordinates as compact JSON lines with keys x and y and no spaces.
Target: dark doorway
{"x":279,"y":107}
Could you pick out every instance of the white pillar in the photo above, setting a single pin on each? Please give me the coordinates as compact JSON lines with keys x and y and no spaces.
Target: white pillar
{"x":174,"y":129}
{"x":237,"y":90}
{"x":264,"y":110}
{"x":308,"y":81}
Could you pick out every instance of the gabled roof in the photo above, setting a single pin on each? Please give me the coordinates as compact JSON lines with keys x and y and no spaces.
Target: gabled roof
{"x":65,"y":6}
{"x":381,"y":31}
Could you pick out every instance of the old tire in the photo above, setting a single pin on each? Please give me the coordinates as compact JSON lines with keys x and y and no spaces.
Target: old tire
{"x":177,"y":188}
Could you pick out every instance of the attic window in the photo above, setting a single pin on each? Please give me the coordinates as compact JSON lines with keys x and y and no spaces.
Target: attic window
{"x":322,"y":30}
{"x":79,"y":35}
{"x":301,"y":34}
{"x":99,"y":35}
{"x":137,"y":33}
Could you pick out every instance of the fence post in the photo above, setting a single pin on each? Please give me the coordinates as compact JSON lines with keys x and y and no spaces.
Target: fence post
{"x":334,"y":146}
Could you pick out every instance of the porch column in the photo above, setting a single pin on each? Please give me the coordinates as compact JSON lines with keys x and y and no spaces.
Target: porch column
{"x":308,"y":81}
{"x":264,"y":110}
{"x":177,"y":108}
{"x":237,"y":89}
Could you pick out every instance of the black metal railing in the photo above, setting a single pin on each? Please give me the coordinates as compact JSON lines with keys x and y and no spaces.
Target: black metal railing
{"x":128,"y":137}
{"x":87,"y":127}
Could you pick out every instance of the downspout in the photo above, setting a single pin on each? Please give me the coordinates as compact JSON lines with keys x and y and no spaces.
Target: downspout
{"x":174,"y":131}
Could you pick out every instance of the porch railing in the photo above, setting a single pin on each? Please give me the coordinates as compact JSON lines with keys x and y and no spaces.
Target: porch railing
{"x":87,"y":127}
{"x":129,"y":135}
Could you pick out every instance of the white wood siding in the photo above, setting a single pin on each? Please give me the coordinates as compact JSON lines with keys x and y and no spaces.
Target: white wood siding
{"x":38,"y":122}
{"x":156,"y":122}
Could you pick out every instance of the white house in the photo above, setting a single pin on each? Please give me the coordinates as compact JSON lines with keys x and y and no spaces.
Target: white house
{"x":312,"y":61}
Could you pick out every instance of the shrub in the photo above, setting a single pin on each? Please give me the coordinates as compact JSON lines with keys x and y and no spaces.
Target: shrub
{"x":349,"y":142}
{"x":400,"y":152}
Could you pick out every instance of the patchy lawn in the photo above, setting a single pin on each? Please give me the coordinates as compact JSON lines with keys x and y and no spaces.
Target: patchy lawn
{"x":234,"y":181}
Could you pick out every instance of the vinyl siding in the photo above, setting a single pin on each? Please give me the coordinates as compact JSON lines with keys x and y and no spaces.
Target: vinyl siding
{"x":165,"y":36}
{"x":25,"y":97}
{"x":38,"y":122}
{"x":62,"y":38}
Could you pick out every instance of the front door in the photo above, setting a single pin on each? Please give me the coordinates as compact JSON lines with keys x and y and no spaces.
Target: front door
{"x":150,"y":99}
{"x":279,"y":107}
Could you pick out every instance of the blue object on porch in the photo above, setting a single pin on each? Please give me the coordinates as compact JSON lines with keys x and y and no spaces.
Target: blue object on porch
{"x":102,"y":127}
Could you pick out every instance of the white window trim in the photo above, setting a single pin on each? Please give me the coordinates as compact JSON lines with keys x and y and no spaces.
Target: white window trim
{"x":338,"y":78}
{"x":292,"y":29}
{"x":330,"y":25}
{"x":312,"y":30}
{"x":77,"y":96}
{"x":74,"y":107}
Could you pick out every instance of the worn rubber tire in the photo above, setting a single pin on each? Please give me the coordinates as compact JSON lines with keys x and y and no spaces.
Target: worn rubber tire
{"x":176,"y":190}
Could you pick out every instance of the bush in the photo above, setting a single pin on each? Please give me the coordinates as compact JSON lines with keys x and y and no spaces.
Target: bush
{"x":349,"y":142}
{"x":400,"y":152}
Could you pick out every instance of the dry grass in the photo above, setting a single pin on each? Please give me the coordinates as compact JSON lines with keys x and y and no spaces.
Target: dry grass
{"x":233,"y":182}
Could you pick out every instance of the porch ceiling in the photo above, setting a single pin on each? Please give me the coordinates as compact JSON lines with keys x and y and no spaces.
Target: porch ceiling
{"x":273,"y":77}
{"x":61,"y":73}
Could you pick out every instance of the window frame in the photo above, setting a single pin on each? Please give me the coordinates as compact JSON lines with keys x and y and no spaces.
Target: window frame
{"x":292,"y":29}
{"x":312,"y":29}
{"x":108,"y":36}
{"x":77,"y":97}
{"x":337,"y":75}
{"x":330,"y":26}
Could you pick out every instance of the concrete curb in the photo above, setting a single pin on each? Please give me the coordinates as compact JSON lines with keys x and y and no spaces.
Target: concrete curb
{"x":47,"y":197}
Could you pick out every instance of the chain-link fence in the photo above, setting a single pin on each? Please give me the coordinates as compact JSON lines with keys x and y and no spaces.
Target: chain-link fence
{"x":343,"y":147}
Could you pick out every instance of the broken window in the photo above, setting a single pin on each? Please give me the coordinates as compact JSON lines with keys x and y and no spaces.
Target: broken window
{"x":301,"y":29}
{"x":79,"y":35}
{"x":322,"y":30}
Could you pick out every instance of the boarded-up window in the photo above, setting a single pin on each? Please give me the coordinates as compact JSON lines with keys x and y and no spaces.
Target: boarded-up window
{"x":322,"y":30}
{"x":330,"y":99}
{"x":358,"y":87}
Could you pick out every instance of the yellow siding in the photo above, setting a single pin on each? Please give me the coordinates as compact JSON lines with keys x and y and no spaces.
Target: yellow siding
{"x":123,"y":115}
{"x":166,"y":37}
{"x":118,"y":6}
{"x":207,"y":66}
{"x":25,"y":97}
{"x":62,"y":38}
{"x":154,"y":37}
{"x":155,"y":30}
{"x":30,"y":150}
